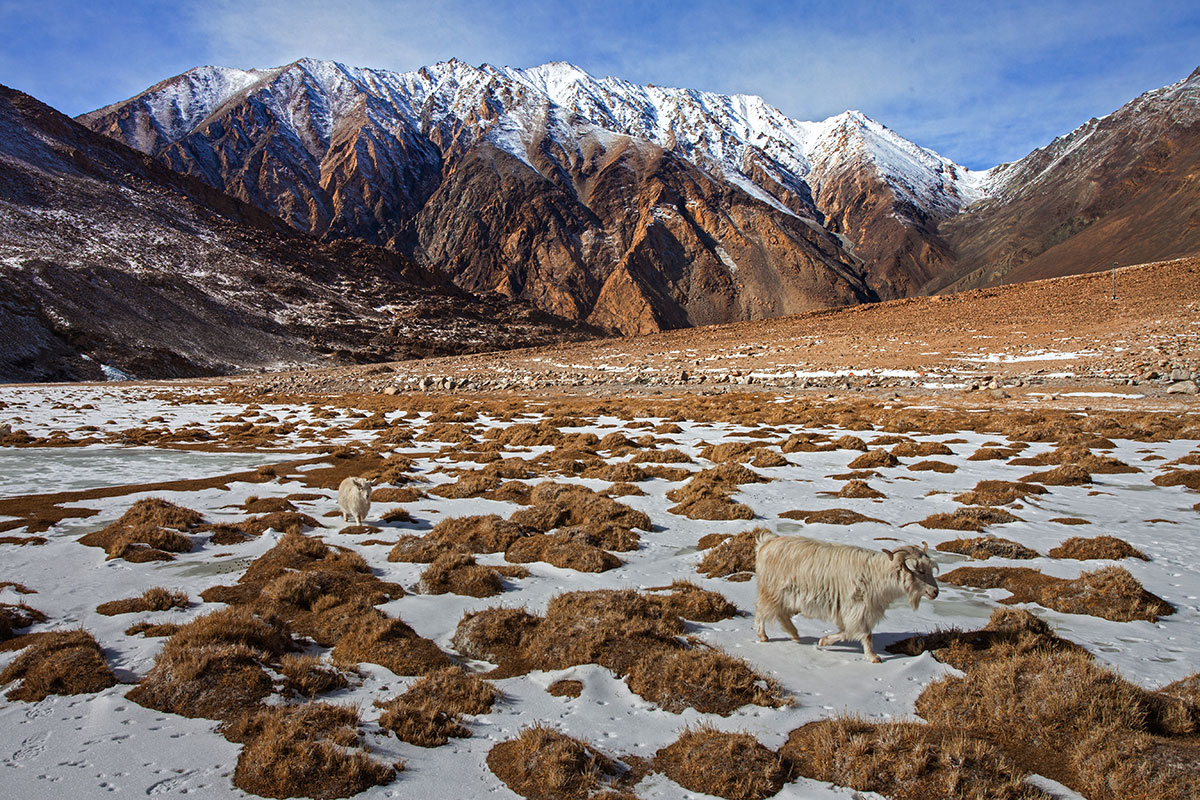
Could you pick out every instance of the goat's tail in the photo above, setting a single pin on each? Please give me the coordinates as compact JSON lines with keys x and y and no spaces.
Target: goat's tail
{"x":763,"y":537}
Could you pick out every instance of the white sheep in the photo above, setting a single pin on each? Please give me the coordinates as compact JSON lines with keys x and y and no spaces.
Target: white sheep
{"x":354,"y":499}
{"x":840,"y":583}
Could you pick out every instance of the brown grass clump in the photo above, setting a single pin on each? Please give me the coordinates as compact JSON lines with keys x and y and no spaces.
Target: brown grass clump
{"x":57,"y":662}
{"x":689,"y":601}
{"x":565,"y":688}
{"x":906,"y":761}
{"x":732,"y":451}
{"x":993,"y":453}
{"x":213,"y":666}
{"x":309,"y":750}
{"x":933,"y":466}
{"x":389,"y":643}
{"x":457,"y":691}
{"x":984,"y":547}
{"x":857,"y":488}
{"x":152,"y":529}
{"x":422,"y":723}
{"x":665,"y":473}
{"x":390,"y":494}
{"x":1105,"y":547}
{"x":156,"y":599}
{"x":267,"y":505}
{"x":1111,"y":593}
{"x":543,"y":764}
{"x":457,"y":573}
{"x":730,"y":765}
{"x":1061,"y":715}
{"x":1066,"y":475}
{"x":769,"y":458}
{"x":567,"y":550}
{"x":151,"y":630}
{"x":1009,"y":632}
{"x":1070,"y":521}
{"x":495,"y":634}
{"x":16,"y":616}
{"x":702,"y":678}
{"x":488,"y":533}
{"x":874,"y":459}
{"x":708,"y":494}
{"x":1179,"y":477}
{"x":471,"y":484}
{"x":971,"y":518}
{"x":921,"y":450}
{"x":668,"y":455}
{"x":830,"y":516}
{"x":421,"y":549}
{"x":308,"y":676}
{"x":623,"y":490}
{"x":733,"y":556}
{"x":999,"y":493}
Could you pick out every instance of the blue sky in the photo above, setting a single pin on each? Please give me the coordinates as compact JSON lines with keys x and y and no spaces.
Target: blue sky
{"x":980,"y":82}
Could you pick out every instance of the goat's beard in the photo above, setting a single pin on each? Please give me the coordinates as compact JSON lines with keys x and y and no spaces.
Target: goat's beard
{"x":914,"y":600}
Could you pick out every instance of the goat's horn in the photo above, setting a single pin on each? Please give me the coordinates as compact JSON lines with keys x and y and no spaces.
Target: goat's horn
{"x":887,"y":552}
{"x":926,"y":546}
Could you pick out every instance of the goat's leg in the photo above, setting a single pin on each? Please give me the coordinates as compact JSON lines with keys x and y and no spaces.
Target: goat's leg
{"x":760,"y":622}
{"x":832,"y":638}
{"x":869,"y":650}
{"x":788,"y":627}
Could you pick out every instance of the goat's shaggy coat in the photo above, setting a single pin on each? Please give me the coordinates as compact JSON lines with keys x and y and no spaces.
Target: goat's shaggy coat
{"x":354,"y":499}
{"x":847,"y":585}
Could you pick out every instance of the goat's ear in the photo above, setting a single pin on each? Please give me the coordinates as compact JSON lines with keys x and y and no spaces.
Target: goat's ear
{"x":887,"y":552}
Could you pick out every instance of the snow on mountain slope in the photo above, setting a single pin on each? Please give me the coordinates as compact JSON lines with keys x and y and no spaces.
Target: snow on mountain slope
{"x":720,"y":133}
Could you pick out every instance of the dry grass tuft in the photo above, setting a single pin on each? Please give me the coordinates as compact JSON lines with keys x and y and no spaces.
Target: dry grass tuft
{"x":156,"y":599}
{"x":687,"y":600}
{"x":874,"y":459}
{"x":309,"y":750}
{"x":999,"y":493}
{"x":857,"y":488}
{"x":557,"y":505}
{"x":308,"y":676}
{"x":984,"y":547}
{"x":1009,"y":632}
{"x":543,"y":764}
{"x":57,"y":662}
{"x":568,"y":549}
{"x":1111,"y":593}
{"x":669,"y":455}
{"x":151,"y":630}
{"x":730,"y":765}
{"x":830,"y":516}
{"x":1061,"y":715}
{"x":16,"y":616}
{"x":267,"y":505}
{"x":732,"y":451}
{"x":972,"y":518}
{"x":734,"y":555}
{"x":1104,"y":547}
{"x":152,"y":529}
{"x":565,"y":688}
{"x":1066,"y":475}
{"x":622,"y":489}
{"x":933,"y":466}
{"x":457,"y":573}
{"x":422,"y":723}
{"x":391,"y":494}
{"x":457,"y":691}
{"x":1179,"y":477}
{"x":389,"y":643}
{"x":708,"y":494}
{"x":703,"y":678}
{"x":906,"y":761}
{"x":488,"y":533}
{"x":421,"y":549}
{"x":921,"y":449}
{"x":993,"y":453}
{"x":766,"y":459}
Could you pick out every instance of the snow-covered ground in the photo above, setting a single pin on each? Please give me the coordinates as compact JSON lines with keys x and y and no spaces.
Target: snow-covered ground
{"x":87,"y":745}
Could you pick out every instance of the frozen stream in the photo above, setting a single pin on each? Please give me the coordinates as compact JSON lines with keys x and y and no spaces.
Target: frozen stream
{"x":42,"y":470}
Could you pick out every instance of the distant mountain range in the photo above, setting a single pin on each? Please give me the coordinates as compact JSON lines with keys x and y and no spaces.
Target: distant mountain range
{"x":632,"y":209}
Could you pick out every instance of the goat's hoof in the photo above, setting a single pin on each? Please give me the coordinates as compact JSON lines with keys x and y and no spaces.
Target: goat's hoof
{"x":824,"y":641}
{"x":874,"y":659}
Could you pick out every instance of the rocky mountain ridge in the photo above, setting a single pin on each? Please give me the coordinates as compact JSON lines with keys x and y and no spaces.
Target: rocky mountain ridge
{"x":112,"y":265}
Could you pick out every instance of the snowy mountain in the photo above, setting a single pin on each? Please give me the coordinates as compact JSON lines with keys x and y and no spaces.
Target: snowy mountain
{"x":113,"y":265}
{"x":638,"y":208}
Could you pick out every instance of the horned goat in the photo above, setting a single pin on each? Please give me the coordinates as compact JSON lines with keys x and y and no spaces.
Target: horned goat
{"x":840,"y":583}
{"x":354,"y":499}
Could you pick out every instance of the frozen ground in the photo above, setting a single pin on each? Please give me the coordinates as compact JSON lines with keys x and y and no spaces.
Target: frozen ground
{"x":89,"y":745}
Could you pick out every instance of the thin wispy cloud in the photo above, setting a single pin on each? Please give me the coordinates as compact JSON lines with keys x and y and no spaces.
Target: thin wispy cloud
{"x":979,"y":82}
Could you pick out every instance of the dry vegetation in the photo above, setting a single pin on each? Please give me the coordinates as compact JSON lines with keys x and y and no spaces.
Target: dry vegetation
{"x":906,"y":761}
{"x":15,"y":616}
{"x":542,"y":764}
{"x":57,"y":662}
{"x":1009,"y":632}
{"x":1111,"y":593}
{"x":155,"y":599}
{"x":1098,"y":547}
{"x":730,"y":765}
{"x":970,"y":518}
{"x":151,"y":530}
{"x":431,"y":711}
{"x":634,"y":635}
{"x":984,"y":547}
{"x":732,"y":557}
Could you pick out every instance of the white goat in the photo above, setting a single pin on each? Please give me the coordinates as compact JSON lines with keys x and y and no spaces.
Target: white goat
{"x":354,"y":498}
{"x":840,"y":583}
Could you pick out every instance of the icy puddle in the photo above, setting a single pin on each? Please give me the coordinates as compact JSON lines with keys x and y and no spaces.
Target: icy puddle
{"x":42,"y":470}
